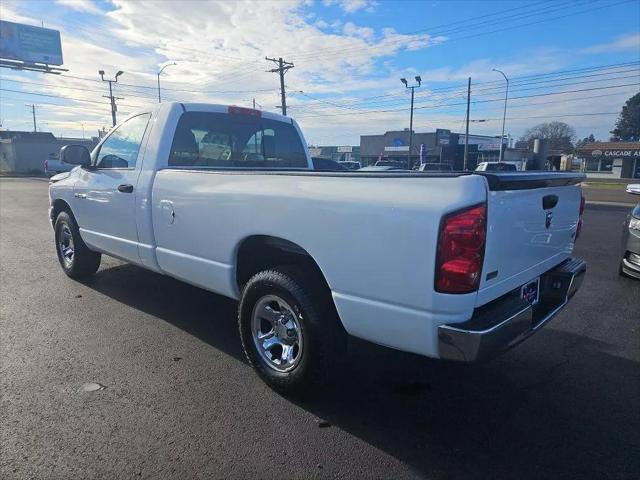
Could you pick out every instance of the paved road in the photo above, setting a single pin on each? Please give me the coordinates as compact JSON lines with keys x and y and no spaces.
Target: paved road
{"x":180,"y":402}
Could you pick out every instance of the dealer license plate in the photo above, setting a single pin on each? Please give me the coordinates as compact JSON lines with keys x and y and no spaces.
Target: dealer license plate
{"x":530,"y":291}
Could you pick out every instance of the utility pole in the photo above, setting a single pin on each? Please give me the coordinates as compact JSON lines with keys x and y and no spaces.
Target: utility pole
{"x":413,"y":87}
{"x":504,"y":117}
{"x":281,"y":69}
{"x":466,"y":133}
{"x":113,"y":99}
{"x":33,"y":111}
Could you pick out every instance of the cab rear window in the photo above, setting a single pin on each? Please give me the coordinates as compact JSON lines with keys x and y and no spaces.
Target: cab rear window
{"x":220,"y":140}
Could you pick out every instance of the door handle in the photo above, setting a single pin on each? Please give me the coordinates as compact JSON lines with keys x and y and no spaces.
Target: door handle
{"x":125,"y":188}
{"x":169,"y":214}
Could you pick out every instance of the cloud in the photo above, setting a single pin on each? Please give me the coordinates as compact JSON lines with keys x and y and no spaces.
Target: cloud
{"x":353,"y":30}
{"x":86,"y":6}
{"x":625,"y":42}
{"x":352,"y":6}
{"x":220,"y":59}
{"x":352,"y":68}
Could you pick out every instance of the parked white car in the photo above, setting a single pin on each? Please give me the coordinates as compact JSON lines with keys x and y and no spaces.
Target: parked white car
{"x":226,"y":198}
{"x":496,"y":167}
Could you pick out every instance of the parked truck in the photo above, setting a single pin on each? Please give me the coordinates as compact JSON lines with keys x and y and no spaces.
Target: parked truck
{"x":456,"y":266}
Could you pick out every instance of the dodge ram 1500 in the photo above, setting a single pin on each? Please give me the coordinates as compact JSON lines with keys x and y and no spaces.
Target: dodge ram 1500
{"x":451,"y":265}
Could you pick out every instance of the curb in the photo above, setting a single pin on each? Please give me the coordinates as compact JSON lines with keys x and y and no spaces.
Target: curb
{"x":611,"y":204}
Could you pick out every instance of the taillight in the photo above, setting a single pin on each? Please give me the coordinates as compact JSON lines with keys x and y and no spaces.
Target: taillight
{"x":244,"y":111}
{"x":579,"y":226}
{"x":461,"y":250}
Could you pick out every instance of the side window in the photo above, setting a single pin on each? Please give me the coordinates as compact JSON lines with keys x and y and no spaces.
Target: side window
{"x":120,"y":149}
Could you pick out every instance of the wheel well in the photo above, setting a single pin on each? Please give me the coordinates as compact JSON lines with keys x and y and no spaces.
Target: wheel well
{"x":60,"y":206}
{"x":261,"y":252}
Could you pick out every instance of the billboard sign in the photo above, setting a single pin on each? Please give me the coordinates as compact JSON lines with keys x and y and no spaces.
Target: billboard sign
{"x":345,"y":149}
{"x":30,"y":44}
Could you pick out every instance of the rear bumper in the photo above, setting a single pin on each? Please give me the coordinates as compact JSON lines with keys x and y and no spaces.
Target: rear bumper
{"x":508,"y":320}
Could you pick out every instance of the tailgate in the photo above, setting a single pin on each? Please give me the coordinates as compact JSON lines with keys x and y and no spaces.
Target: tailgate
{"x":531,"y":226}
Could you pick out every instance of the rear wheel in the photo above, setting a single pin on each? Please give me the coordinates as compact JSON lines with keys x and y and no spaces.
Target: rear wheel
{"x":74,"y":256}
{"x":289,"y":329}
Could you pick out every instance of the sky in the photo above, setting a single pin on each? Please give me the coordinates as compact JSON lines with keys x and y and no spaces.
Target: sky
{"x":575,"y":61}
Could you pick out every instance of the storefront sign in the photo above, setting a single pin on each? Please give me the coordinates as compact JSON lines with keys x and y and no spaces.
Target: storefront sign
{"x":615,"y":153}
{"x":489,"y":146}
{"x":403,"y":148}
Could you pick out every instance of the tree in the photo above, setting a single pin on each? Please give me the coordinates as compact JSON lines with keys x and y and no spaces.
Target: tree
{"x":559,"y":136}
{"x":585,"y":140}
{"x":628,"y":124}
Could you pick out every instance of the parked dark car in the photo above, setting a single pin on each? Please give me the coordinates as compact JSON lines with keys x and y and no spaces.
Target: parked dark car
{"x":391,"y":163}
{"x":351,"y":164}
{"x":382,"y":168}
{"x":327,"y":164}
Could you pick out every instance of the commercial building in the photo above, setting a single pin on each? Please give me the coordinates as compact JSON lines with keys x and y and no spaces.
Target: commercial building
{"x":621,"y":159}
{"x":25,"y":152}
{"x":441,"y":146}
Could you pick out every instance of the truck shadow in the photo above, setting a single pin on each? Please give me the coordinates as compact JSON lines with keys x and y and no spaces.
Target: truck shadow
{"x":561,"y":405}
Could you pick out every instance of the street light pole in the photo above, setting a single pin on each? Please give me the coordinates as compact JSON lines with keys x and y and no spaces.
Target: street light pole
{"x":504,"y":116}
{"x":161,"y":70}
{"x":112,"y":99}
{"x":412,"y":87}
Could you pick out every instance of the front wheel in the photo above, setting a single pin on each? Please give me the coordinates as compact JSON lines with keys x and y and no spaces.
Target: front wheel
{"x":289,"y":330}
{"x":74,"y":256}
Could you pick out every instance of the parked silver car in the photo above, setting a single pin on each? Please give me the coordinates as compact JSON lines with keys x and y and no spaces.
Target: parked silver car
{"x":53,"y":165}
{"x":630,"y":263}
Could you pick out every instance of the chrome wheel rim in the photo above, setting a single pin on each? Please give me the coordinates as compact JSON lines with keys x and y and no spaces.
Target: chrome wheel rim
{"x":277,"y":333}
{"x":65,"y":246}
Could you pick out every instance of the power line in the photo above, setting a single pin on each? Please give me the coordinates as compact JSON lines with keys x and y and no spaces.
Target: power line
{"x":53,"y":96}
{"x":473,"y":102}
{"x":522,"y":80}
{"x":518,"y":84}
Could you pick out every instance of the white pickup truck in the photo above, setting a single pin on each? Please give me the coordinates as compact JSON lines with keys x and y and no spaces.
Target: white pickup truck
{"x":457,"y":266}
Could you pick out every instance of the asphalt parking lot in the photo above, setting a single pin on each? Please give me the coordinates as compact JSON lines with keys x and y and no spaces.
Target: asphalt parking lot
{"x":180,"y":401}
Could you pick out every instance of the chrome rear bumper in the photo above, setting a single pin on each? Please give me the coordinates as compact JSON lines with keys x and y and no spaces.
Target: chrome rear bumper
{"x":508,"y":320}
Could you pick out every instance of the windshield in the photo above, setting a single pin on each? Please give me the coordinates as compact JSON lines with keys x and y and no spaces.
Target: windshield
{"x":206,"y":139}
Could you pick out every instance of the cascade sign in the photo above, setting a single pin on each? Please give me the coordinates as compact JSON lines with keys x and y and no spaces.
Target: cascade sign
{"x":29,"y":44}
{"x":615,"y":153}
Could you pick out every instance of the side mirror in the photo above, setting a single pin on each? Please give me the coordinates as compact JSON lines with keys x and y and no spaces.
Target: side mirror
{"x":633,"y":188}
{"x":76,"y":155}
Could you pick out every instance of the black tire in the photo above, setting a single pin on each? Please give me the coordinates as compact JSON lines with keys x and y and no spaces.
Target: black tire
{"x":323,"y":338}
{"x":83,"y":262}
